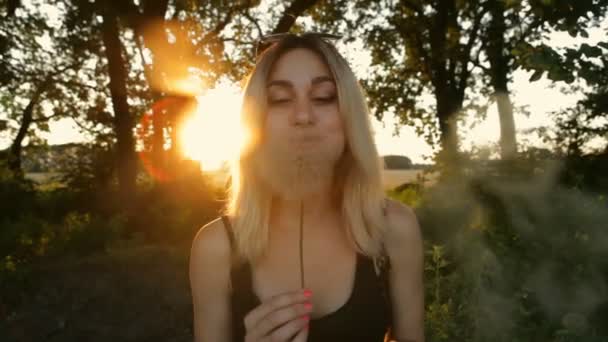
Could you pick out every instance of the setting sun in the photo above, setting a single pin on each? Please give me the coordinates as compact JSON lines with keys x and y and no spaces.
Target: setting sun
{"x":213,"y":135}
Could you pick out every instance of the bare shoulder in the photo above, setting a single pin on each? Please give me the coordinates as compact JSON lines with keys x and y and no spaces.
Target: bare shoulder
{"x":403,"y":230}
{"x":211,"y":241}
{"x":210,"y":282}
{"x":210,"y":249}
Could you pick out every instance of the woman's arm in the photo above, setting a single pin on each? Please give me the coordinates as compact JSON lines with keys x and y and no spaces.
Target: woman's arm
{"x":209,"y":282}
{"x":405,"y":250}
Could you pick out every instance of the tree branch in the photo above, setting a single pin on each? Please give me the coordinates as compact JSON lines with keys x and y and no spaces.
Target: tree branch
{"x":222,"y":24}
{"x":437,"y":31}
{"x":414,"y":7}
{"x":424,"y":56}
{"x":46,"y":118}
{"x":255,"y":22}
{"x":295,"y":10}
{"x":475,"y":61}
{"x":78,"y":84}
{"x":238,"y":41}
{"x":466,"y":55}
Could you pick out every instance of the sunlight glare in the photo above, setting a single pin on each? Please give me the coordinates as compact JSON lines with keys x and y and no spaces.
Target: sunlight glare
{"x":213,"y":134}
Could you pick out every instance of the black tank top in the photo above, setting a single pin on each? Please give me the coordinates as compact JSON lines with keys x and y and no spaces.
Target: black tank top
{"x":366,"y":316}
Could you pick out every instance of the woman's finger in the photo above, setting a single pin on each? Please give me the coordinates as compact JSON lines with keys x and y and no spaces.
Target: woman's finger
{"x":292,"y":316}
{"x":273,"y":304}
{"x":302,"y":335}
{"x":275,"y":312}
{"x":287,"y":331}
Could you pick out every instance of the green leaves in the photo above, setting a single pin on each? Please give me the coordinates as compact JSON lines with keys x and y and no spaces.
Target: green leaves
{"x":590,"y":51}
{"x":536,"y":75}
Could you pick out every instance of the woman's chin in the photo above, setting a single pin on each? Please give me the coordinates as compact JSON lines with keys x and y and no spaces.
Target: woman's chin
{"x":298,"y":192}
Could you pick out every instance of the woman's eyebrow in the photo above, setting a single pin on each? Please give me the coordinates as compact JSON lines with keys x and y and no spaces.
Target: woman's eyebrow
{"x":279,"y":83}
{"x":321,"y":79}
{"x":287,"y":84}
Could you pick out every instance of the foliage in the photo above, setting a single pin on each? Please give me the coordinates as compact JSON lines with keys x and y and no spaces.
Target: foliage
{"x":574,"y":128}
{"x":172,"y":211}
{"x":410,"y":195}
{"x":16,"y":194}
{"x":29,"y":239}
{"x":423,"y":48}
{"x":514,"y":251}
{"x":513,"y":258}
{"x":86,"y":168}
{"x":397,"y":162}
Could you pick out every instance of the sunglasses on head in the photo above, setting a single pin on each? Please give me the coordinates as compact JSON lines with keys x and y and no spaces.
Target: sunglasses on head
{"x":265,"y":41}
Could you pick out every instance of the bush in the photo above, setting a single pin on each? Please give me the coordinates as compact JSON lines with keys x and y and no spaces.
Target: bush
{"x":17,"y":195}
{"x":83,"y":233}
{"x":514,"y":259}
{"x":29,"y":239}
{"x":410,"y":195}
{"x":173,"y":211}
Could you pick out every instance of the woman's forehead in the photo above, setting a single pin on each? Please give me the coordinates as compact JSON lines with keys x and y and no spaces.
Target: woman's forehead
{"x":299,"y":65}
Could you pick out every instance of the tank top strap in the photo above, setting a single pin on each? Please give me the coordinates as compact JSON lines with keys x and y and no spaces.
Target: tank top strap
{"x":232,"y":239}
{"x":239,"y":271}
{"x":229,"y":230}
{"x":382,"y":263}
{"x":382,"y":266}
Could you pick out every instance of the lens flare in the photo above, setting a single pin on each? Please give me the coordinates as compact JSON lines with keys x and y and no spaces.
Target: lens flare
{"x":213,"y":134}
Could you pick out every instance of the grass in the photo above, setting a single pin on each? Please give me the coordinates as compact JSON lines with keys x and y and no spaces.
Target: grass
{"x":391,"y":178}
{"x":394,"y":178}
{"x":42,"y":177}
{"x":120,"y":295}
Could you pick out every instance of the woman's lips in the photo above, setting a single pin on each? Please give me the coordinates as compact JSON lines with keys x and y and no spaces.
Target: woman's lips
{"x":307,"y":138}
{"x":307,"y":142}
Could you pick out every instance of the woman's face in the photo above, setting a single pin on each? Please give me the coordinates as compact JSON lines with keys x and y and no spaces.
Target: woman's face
{"x":303,"y":137}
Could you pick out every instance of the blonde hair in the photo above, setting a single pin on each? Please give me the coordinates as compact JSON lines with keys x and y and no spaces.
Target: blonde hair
{"x":357,"y":176}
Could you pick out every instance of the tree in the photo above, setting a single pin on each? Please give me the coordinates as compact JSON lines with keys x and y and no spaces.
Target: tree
{"x":498,"y":50}
{"x":513,"y":29}
{"x":35,"y":78}
{"x":393,"y":162}
{"x":587,"y":64}
{"x":424,"y":47}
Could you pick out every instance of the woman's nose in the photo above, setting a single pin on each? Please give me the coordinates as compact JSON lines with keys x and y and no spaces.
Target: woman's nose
{"x":303,"y":113}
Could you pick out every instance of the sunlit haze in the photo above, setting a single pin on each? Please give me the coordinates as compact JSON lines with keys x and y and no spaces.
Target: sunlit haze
{"x":212,"y":134}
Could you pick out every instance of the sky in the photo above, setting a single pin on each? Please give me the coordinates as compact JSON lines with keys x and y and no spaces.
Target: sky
{"x":538,"y":97}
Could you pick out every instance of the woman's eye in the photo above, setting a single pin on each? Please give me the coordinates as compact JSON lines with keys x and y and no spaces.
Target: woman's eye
{"x":329,"y":99}
{"x":321,"y":100}
{"x":278,"y":101}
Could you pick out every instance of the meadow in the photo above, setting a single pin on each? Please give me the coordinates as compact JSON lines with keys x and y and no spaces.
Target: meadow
{"x":507,"y":258}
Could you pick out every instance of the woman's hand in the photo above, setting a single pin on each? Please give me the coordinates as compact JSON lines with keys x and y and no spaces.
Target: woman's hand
{"x":283,"y":317}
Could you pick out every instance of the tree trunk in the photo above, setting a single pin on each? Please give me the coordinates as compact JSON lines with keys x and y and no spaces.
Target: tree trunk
{"x":14,"y":155}
{"x":508,"y":142}
{"x":447,"y":109}
{"x":499,"y":70}
{"x":158,"y":136}
{"x":447,"y":101}
{"x":154,"y":14}
{"x":123,"y":121}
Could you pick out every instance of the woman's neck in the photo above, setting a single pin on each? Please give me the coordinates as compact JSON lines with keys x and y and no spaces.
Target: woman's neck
{"x":315,"y":207}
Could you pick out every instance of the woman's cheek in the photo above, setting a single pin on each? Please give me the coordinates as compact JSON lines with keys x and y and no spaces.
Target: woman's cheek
{"x":335,"y":130}
{"x":334,"y":122}
{"x":274,"y":124}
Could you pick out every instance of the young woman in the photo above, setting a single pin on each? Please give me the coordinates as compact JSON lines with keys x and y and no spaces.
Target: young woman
{"x":309,"y":248}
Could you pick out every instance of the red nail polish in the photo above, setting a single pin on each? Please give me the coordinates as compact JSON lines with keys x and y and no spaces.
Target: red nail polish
{"x":308,"y":306}
{"x":307,"y":293}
